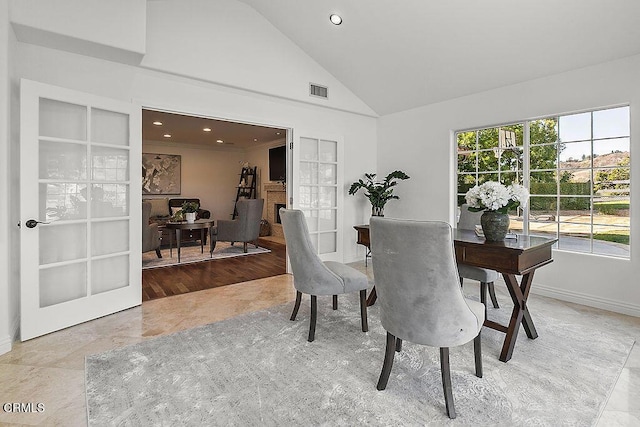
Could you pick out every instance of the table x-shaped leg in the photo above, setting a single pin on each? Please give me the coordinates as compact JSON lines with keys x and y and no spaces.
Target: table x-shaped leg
{"x":520,"y":313}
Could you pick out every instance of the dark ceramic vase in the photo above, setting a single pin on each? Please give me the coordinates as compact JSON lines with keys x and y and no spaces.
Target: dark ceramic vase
{"x":495,"y":225}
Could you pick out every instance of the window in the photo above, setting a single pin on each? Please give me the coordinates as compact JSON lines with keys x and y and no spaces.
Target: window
{"x":576,"y":167}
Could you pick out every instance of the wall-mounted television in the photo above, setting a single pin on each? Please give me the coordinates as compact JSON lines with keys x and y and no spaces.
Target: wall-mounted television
{"x":278,"y":163}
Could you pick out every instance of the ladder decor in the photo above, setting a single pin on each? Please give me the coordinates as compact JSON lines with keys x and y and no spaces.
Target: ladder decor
{"x":246,"y":187}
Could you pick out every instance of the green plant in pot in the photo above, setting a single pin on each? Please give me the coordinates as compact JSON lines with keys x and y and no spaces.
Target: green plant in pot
{"x":378,"y":193}
{"x":189,"y":209}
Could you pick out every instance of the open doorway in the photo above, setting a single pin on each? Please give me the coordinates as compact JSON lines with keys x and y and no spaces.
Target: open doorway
{"x":214,"y":163}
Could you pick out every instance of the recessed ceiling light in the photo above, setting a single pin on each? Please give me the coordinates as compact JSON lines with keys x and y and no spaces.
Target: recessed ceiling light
{"x":255,"y":139}
{"x":219,"y":141}
{"x":335,"y":19}
{"x":157,"y":123}
{"x":207,"y":129}
{"x":166,"y":135}
{"x":277,"y":133}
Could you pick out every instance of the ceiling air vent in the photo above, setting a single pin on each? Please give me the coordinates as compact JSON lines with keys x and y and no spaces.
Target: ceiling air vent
{"x":317,"y":90}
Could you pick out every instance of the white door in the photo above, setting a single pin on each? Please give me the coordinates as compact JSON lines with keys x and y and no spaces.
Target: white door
{"x":80,"y":158}
{"x":318,"y":190}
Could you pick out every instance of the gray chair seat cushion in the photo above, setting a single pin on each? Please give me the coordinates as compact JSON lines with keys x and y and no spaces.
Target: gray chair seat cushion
{"x":353,"y":279}
{"x":477,"y":273}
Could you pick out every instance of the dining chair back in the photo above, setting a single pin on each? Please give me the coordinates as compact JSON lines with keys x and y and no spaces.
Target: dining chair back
{"x":420,"y":300}
{"x":314,"y":277}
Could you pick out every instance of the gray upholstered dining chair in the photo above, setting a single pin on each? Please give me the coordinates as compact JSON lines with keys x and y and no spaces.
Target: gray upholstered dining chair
{"x":245,"y":228}
{"x":420,"y":299}
{"x":313,"y":276}
{"x":468,"y":221}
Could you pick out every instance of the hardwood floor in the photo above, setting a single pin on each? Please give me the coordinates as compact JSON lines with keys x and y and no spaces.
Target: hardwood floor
{"x":176,"y":280}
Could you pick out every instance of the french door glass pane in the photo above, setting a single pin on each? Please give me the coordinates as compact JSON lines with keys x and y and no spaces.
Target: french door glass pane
{"x":63,"y":200}
{"x":109,"y":127}
{"x":108,"y":274}
{"x":63,"y":120}
{"x":74,"y":237}
{"x":308,"y":173}
{"x":58,"y":160}
{"x":327,"y":197}
{"x":109,"y":237}
{"x":109,"y":164}
{"x":64,"y":283}
{"x":328,"y":242}
{"x":328,"y":151}
{"x":327,"y":220}
{"x":308,"y":149}
{"x":109,"y":200}
{"x":327,"y":174}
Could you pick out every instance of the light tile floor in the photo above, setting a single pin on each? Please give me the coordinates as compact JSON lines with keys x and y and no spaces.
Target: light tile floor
{"x":50,"y":369}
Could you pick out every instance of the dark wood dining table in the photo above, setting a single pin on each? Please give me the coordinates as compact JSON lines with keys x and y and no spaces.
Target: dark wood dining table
{"x":511,"y":258}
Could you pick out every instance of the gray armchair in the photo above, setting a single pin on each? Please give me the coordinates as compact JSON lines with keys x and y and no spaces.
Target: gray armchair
{"x":468,"y":221}
{"x":245,"y":228}
{"x":150,"y":232}
{"x":420,"y":300}
{"x":314,"y":277}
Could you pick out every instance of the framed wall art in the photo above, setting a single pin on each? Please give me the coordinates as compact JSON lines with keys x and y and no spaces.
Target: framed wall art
{"x":160,"y":173}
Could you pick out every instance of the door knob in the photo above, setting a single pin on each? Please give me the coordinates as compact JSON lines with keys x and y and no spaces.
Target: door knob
{"x":32,"y":223}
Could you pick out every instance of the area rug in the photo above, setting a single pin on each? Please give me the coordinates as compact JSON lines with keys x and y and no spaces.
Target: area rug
{"x":259,"y":369}
{"x":191,"y":253}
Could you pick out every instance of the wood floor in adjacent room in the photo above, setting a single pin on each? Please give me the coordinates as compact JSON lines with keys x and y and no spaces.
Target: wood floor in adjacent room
{"x":176,"y":280}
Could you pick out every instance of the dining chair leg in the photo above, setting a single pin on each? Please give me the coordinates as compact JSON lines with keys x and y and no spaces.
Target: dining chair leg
{"x":492,"y":294}
{"x":312,"y":320}
{"x":398,"y":345}
{"x":363,"y":310}
{"x":461,"y":281}
{"x":296,"y":306}
{"x":158,"y":253}
{"x":483,"y":296}
{"x":244,"y":247}
{"x":446,"y":382}
{"x":477,"y":352}
{"x":335,"y":302}
{"x":388,"y":362}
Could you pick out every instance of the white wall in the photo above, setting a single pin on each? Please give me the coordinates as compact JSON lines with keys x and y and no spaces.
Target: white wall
{"x":228,"y":42}
{"x":114,"y":29}
{"x":5,"y":311}
{"x":210,"y":175}
{"x":420,"y":142}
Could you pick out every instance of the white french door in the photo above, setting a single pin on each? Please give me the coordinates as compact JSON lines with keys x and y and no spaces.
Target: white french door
{"x":80,"y":243}
{"x":318,"y":190}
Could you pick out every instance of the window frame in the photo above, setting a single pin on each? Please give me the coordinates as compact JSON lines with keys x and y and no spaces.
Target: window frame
{"x":558,"y":170}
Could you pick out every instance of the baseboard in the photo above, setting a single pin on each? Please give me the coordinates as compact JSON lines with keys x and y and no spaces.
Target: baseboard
{"x":6,"y":342}
{"x":588,"y":300}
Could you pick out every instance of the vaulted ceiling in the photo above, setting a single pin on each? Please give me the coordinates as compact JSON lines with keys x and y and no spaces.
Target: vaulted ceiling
{"x":397,"y":55}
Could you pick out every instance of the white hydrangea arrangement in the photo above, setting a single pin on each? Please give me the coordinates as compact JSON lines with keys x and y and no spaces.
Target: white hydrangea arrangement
{"x":493,"y":196}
